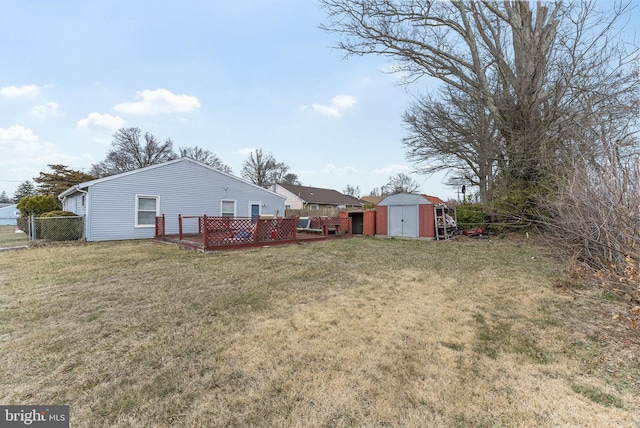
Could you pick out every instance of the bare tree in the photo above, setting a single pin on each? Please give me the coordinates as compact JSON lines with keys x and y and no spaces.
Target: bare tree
{"x":262,"y":169}
{"x":129,"y":153}
{"x":205,"y":156}
{"x":290,"y":178}
{"x":455,"y":134}
{"x":524,"y":63}
{"x":352,"y":191}
{"x":400,"y":183}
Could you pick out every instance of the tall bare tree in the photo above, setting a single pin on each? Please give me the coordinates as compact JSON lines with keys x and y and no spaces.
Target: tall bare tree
{"x":525,"y":63}
{"x":205,"y":156}
{"x":129,"y":153}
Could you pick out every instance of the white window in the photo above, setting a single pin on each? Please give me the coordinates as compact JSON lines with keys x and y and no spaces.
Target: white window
{"x":147,"y":209}
{"x":228,"y":208}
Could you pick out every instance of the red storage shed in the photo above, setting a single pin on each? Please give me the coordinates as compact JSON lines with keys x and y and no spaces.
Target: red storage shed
{"x":407,"y":215}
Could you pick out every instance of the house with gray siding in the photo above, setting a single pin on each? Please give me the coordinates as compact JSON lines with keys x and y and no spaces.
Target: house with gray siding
{"x":9,"y":214}
{"x":124,"y":206}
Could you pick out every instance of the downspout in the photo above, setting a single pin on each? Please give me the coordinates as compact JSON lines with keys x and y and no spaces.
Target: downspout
{"x":87,"y":211}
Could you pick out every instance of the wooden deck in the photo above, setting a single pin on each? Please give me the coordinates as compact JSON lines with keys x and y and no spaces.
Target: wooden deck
{"x":196,"y":241}
{"x":225,"y":233}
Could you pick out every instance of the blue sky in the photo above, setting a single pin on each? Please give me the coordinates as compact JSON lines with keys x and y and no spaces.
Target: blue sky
{"x":230,"y":77}
{"x":226,"y":76}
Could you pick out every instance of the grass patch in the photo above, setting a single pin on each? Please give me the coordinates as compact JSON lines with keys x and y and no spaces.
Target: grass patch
{"x":597,"y":396}
{"x":9,"y":237}
{"x":360,"y":332}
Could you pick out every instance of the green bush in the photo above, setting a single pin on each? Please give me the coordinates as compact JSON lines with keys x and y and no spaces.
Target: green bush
{"x":37,"y":205}
{"x":470,"y":216}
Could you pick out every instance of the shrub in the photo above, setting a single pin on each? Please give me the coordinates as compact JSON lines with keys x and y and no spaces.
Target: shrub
{"x":470,"y":216}
{"x":37,"y":205}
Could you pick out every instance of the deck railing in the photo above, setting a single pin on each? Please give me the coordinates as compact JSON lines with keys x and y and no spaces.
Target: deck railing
{"x":238,"y":230}
{"x":160,"y":226}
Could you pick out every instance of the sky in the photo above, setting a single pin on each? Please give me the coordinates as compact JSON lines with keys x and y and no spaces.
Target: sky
{"x":230,"y":77}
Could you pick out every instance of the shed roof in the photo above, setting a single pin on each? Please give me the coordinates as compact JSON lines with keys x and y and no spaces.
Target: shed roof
{"x":411,"y":199}
{"x":317,"y":195}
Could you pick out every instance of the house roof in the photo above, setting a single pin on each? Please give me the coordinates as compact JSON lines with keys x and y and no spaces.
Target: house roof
{"x":317,"y":195}
{"x":87,"y":184}
{"x":373,"y":200}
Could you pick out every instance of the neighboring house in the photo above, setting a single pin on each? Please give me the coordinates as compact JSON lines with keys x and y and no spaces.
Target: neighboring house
{"x":408,"y":215}
{"x":8,"y":214}
{"x":304,"y":197}
{"x":125,"y":206}
{"x":371,"y":200}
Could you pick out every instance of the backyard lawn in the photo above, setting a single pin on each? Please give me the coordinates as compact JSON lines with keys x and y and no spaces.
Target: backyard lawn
{"x":359,"y":332}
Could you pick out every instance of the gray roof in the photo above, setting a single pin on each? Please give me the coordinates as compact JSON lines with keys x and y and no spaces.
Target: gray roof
{"x":317,"y":195}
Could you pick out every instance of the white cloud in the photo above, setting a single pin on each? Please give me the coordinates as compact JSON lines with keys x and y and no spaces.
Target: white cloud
{"x":27,"y":91}
{"x":48,"y":109}
{"x":158,"y":102}
{"x":331,"y":169}
{"x":245,"y":151}
{"x":16,"y":134}
{"x":101,"y":121}
{"x":338,"y":105}
{"x":392,"y":169}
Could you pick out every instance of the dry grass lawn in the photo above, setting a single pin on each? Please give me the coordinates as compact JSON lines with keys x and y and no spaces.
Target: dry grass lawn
{"x":9,"y":237}
{"x":361,"y":332}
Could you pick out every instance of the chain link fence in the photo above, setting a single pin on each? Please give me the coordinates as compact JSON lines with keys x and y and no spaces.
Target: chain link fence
{"x":52,"y":229}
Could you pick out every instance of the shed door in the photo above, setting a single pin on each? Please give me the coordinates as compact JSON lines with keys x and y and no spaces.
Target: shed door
{"x":403,"y":220}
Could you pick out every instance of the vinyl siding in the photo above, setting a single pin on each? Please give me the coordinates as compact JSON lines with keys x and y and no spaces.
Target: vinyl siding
{"x":293,"y":201}
{"x":8,"y":215}
{"x":74,"y":204}
{"x":183,"y":187}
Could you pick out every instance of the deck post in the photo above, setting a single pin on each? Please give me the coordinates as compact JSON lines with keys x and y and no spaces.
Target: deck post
{"x":295,"y":227}
{"x":205,"y":231}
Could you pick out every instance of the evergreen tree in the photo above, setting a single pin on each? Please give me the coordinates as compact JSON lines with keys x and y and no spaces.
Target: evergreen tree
{"x":25,"y":188}
{"x":56,"y":182}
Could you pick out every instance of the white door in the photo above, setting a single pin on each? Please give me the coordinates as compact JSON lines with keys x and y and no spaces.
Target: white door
{"x":403,"y":220}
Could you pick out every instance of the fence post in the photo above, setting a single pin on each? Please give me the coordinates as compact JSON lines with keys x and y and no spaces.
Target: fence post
{"x":180,"y":227}
{"x":205,"y":231}
{"x":32,"y":228}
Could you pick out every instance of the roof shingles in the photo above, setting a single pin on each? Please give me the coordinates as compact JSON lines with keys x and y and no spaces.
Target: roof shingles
{"x":317,"y":195}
